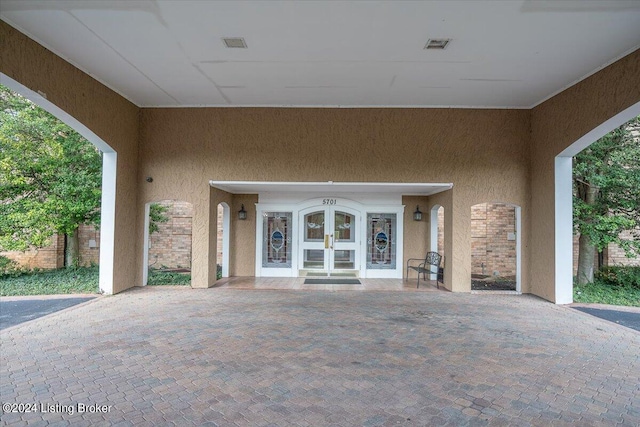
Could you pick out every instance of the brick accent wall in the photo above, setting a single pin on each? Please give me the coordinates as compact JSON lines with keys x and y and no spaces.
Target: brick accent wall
{"x":52,"y":256}
{"x":614,"y":255}
{"x":493,"y":244}
{"x":49,"y":257}
{"x":89,"y":242}
{"x":170,"y":246}
{"x":441,"y":231}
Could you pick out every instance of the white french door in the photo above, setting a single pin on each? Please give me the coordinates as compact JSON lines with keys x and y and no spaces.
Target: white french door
{"x":329,"y":240}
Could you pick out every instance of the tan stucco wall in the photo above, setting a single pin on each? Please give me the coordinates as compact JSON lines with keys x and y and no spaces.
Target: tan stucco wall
{"x":415,"y":233}
{"x":483,"y":152}
{"x":555,"y":125}
{"x":243,"y":239}
{"x":489,"y":155}
{"x":107,"y":114}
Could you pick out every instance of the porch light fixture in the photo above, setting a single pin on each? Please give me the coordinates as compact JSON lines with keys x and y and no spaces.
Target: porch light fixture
{"x":417,"y":215}
{"x":242,"y":214}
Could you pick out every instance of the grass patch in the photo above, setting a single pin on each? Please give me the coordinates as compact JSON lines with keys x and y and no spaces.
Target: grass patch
{"x":83,"y":280}
{"x":159,"y":277}
{"x":603,"y":292}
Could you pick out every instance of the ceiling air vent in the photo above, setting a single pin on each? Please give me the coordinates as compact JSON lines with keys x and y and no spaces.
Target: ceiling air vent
{"x":234,"y":42}
{"x":437,"y":43}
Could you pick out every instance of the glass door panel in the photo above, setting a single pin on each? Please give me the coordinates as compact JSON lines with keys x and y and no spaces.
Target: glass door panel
{"x":313,"y":259}
{"x":344,"y":259}
{"x":343,"y":245}
{"x":329,"y":241}
{"x":315,"y":242}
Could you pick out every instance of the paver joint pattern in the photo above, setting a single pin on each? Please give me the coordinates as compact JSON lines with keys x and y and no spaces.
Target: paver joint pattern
{"x":176,"y":356}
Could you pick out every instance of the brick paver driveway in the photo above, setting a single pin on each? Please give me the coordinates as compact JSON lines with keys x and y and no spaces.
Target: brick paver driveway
{"x":176,"y":356}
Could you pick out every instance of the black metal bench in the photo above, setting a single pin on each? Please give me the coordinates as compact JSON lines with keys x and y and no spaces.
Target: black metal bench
{"x":429,"y":265}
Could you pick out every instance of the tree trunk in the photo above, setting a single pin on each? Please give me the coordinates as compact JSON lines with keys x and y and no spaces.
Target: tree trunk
{"x":586,"y":250}
{"x":72,"y":250}
{"x":586,"y":254}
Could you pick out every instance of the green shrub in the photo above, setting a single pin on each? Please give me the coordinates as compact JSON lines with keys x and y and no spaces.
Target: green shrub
{"x":600,"y":292}
{"x":159,"y":277}
{"x":10,"y":268}
{"x":625,"y":276}
{"x":82,"y":280}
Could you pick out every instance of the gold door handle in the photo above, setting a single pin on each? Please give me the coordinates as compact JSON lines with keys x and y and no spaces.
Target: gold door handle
{"x":326,"y":241}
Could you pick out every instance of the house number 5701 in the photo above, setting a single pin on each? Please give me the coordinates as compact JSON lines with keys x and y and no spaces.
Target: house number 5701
{"x":328,"y":201}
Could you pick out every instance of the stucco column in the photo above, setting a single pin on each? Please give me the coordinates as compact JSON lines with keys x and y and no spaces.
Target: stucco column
{"x":457,"y":224}
{"x":204,"y":240}
{"x":457,"y":242}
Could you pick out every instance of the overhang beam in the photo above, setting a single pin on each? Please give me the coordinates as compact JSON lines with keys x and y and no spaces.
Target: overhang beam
{"x":259,"y":187}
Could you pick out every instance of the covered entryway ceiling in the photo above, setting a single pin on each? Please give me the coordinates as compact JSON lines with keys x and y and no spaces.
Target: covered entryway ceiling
{"x":158,"y":53}
{"x":257,"y":187}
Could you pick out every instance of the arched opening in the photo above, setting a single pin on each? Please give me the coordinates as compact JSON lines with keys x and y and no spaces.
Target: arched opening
{"x":495,"y":247}
{"x":437,"y":233}
{"x":222,"y":256}
{"x":564,"y":202}
{"x":108,"y":196}
{"x":168,"y":230}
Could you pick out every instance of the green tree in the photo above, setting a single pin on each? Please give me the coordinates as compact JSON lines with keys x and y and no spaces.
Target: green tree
{"x":606,"y":178}
{"x":157,"y":214}
{"x":50,"y":178}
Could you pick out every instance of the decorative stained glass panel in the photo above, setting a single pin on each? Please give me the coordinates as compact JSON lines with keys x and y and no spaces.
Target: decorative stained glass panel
{"x":314,"y":227}
{"x":276,"y":240}
{"x":381,"y":241}
{"x":344,"y":229}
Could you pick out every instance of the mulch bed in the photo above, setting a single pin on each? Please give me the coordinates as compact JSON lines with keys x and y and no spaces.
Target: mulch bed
{"x":490,"y":283}
{"x":479,"y":285}
{"x":174,"y":270}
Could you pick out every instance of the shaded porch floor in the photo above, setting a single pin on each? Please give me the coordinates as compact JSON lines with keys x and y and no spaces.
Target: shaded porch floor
{"x":297,"y":283}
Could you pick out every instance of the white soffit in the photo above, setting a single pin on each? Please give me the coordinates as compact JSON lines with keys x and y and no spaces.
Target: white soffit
{"x":171,"y":53}
{"x":330,"y":187}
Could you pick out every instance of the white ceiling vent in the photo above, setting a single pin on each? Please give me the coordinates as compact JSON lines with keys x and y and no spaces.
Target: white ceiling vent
{"x":235,"y":42}
{"x":437,"y":43}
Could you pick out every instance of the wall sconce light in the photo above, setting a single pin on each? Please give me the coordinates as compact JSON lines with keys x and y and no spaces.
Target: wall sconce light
{"x":417,"y":215}
{"x":242,"y":214}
